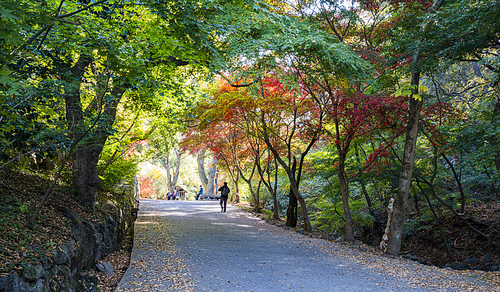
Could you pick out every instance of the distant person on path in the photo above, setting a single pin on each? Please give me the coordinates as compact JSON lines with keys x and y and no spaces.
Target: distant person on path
{"x":200,"y":192}
{"x":174,"y":195}
{"x":168,"y":196}
{"x":224,"y":195}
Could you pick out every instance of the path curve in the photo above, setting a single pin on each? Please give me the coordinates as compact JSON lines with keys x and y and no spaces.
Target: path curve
{"x":192,"y":246}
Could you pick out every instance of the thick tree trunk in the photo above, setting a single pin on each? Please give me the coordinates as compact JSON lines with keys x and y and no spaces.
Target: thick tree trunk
{"x":291,"y":211}
{"x":173,"y":177}
{"x":408,"y":163}
{"x":86,"y":179}
{"x":211,"y":177}
{"x":201,"y":168}
{"x":295,"y":191}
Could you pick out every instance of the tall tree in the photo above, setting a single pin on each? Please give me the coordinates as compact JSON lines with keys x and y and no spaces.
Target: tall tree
{"x":408,"y":159}
{"x":90,"y":52}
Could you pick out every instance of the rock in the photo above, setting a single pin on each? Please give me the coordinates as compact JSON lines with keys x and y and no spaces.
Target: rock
{"x":100,"y":243}
{"x":410,"y":257}
{"x":70,"y":214}
{"x":339,"y":239}
{"x":4,"y":281}
{"x":87,"y":250}
{"x":90,"y":283}
{"x":67,"y":281}
{"x":16,"y":284}
{"x":62,"y":257}
{"x":447,"y":265}
{"x":458,"y":266}
{"x":39,"y":287}
{"x":105,"y":268}
{"x":32,"y":272}
{"x":477,"y":268}
{"x":492,"y":267}
{"x":471,"y":261}
{"x":486,"y":259}
{"x":300,"y":231}
{"x":448,"y":268}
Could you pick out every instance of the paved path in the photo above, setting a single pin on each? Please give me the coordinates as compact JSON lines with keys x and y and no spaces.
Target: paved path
{"x":192,"y":246}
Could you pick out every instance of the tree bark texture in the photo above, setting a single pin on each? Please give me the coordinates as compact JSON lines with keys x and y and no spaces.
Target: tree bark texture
{"x":408,"y":164}
{"x":211,"y":177}
{"x":291,"y":211}
{"x":408,"y":161}
{"x":294,"y":182}
{"x":201,"y":168}
{"x":85,"y":177}
{"x":344,"y":186}
{"x":173,"y":176}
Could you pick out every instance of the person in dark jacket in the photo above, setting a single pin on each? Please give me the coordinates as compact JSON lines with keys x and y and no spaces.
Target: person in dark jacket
{"x":200,"y":192}
{"x":224,"y":195}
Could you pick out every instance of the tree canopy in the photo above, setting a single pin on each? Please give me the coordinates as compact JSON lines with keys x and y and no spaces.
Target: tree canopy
{"x":336,"y":107}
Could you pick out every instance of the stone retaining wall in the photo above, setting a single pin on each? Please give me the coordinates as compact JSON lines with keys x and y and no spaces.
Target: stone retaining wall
{"x":65,"y":269}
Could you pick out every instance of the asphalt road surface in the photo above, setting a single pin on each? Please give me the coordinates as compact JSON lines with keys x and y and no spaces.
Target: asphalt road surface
{"x":193,"y":246}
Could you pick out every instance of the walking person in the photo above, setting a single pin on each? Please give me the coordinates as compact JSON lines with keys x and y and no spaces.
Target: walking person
{"x":200,"y":192}
{"x":224,"y":195}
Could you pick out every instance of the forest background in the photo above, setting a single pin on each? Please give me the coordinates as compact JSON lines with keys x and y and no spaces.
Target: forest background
{"x":371,"y":120}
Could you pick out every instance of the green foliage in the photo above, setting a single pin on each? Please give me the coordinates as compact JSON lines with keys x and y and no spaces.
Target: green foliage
{"x":122,"y":169}
{"x":417,"y":225}
{"x":268,"y":42}
{"x":329,"y":218}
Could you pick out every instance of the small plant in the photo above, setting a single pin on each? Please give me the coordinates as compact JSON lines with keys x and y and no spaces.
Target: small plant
{"x":23,"y":208}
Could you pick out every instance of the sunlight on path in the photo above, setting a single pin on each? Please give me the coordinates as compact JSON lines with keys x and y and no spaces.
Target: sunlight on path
{"x":192,"y":246}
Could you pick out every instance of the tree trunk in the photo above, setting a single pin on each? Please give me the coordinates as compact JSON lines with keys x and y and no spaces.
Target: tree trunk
{"x":249,"y":182}
{"x":291,"y":211}
{"x":85,"y":176}
{"x":276,"y":214}
{"x":408,"y":163}
{"x":257,"y":197}
{"x":201,"y":168}
{"x":344,"y":187}
{"x":344,"y":181}
{"x":294,"y":186}
{"x":270,"y":187}
{"x":294,"y":182}
{"x":86,"y":157}
{"x":211,"y":177}
{"x":172,"y":177}
{"x":236,"y":194}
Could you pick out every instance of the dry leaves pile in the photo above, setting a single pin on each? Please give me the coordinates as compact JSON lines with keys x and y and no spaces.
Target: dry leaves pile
{"x":20,"y":194}
{"x":156,"y":264}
